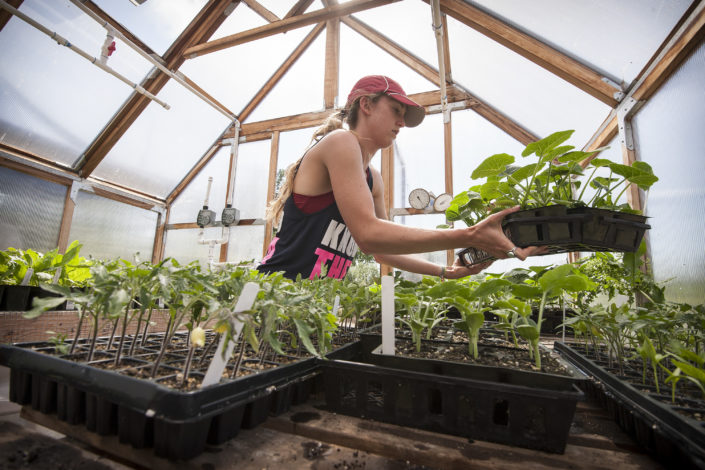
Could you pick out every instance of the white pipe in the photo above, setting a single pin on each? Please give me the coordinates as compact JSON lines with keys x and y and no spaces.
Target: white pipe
{"x":234,"y":152}
{"x":156,"y":63}
{"x":64,"y":42}
{"x":208,"y":191}
{"x":438,"y":30}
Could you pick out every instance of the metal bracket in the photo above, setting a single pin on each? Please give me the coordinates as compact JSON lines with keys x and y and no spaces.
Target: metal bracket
{"x":77,"y":186}
{"x":624,"y":124}
{"x":617,"y":95}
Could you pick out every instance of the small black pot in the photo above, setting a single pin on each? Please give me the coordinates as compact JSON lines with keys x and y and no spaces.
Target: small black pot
{"x":609,"y":230}
{"x":15,"y":298}
{"x":550,"y":225}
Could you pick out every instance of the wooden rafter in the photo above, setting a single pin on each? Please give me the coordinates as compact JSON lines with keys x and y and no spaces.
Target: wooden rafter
{"x":416,"y":64}
{"x":331,"y":77}
{"x":124,"y":31}
{"x":201,"y":28}
{"x":281,"y":71}
{"x":314,"y":17}
{"x":432,"y":74}
{"x":686,"y":36}
{"x":261,"y":11}
{"x":6,"y":15}
{"x":536,"y":51}
{"x":299,"y":8}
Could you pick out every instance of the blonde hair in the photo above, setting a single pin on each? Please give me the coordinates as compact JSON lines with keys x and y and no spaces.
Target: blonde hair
{"x":347,"y":115}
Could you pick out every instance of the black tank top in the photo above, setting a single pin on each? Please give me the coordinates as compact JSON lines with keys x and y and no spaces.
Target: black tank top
{"x":308,"y":244}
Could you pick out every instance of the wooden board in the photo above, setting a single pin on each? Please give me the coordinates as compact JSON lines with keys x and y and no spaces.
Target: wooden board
{"x":309,"y":437}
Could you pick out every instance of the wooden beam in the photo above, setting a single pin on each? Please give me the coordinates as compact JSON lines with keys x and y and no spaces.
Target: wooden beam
{"x":271,"y":186}
{"x":112,"y":21}
{"x":446,"y":48}
{"x":281,"y":71}
{"x":299,"y":8}
{"x":407,"y":58}
{"x":6,"y":15}
{"x":192,"y":173}
{"x":27,"y":162}
{"x":332,"y":68}
{"x":159,"y":237}
{"x":66,"y":219}
{"x":688,"y":38}
{"x":202,"y":27}
{"x":387,"y":171}
{"x":193,"y":225}
{"x":541,"y":54}
{"x":448,"y":165}
{"x":261,"y":11}
{"x":283,"y":26}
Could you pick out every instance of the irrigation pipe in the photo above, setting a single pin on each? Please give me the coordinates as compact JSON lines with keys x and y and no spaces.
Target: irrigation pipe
{"x":64,"y":42}
{"x":438,"y":31}
{"x":175,"y":75}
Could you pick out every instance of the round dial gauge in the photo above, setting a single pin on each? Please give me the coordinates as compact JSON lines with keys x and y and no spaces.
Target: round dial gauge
{"x":419,"y":198}
{"x":442,"y":202}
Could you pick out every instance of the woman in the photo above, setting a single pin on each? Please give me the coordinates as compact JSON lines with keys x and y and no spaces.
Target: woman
{"x":332,"y":200}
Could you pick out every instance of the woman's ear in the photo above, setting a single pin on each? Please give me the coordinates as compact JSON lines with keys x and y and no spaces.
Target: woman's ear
{"x":366,"y":105}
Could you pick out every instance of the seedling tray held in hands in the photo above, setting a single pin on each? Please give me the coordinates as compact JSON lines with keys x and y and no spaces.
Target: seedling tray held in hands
{"x":565,"y":229}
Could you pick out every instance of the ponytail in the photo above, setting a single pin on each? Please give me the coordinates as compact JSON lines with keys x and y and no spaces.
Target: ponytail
{"x":347,"y":115}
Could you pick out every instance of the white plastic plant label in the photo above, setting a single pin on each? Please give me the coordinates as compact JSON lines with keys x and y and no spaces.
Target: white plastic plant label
{"x":27,"y":277}
{"x":336,"y":306}
{"x":219,"y":361}
{"x":388,"y":315}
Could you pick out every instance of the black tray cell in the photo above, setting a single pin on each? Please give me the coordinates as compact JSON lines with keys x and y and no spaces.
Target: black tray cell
{"x":135,"y":428}
{"x":508,"y":414}
{"x":543,"y":226}
{"x":180,"y":440}
{"x":256,"y":412}
{"x":226,"y":425}
{"x":101,"y":415}
{"x":20,"y":387}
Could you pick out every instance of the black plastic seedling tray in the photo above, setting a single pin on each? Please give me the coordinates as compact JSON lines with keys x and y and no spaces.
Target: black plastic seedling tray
{"x":144,"y":413}
{"x":672,"y":437}
{"x":564,"y":229}
{"x":458,"y":404}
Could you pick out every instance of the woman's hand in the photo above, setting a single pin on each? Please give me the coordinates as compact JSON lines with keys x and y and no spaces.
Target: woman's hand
{"x":458,"y":270}
{"x":488,"y":236}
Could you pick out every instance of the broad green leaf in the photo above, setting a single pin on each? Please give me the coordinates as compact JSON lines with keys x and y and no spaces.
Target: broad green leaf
{"x":528,"y":332}
{"x":600,"y":162}
{"x":490,"y":287}
{"x":523,"y":172}
{"x":42,"y":304}
{"x":525,"y":291}
{"x":492,"y":166}
{"x":576,"y":156}
{"x":692,"y":371}
{"x":541,"y":147}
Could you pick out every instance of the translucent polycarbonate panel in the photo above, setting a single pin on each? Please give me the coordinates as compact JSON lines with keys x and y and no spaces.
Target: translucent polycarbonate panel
{"x":234,"y":75}
{"x":292,"y":145}
{"x":157,"y":23}
{"x":162,"y":145}
{"x":251,"y":179}
{"x":409,"y":24}
{"x":617,"y":38}
{"x":538,"y":100}
{"x":53,"y":102}
{"x":246,"y":243}
{"x":419,"y":159}
{"x":183,"y":246}
{"x":671,"y":139}
{"x":30,"y":211}
{"x":191,"y":200}
{"x":109,"y":229}
{"x":474,"y":140}
{"x":360,"y":57}
{"x":301,"y":89}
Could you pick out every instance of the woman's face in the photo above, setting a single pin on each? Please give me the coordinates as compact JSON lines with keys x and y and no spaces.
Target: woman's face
{"x":387,"y":118}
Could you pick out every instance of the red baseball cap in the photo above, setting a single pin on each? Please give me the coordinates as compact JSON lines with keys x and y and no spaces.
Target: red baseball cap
{"x":381,"y":84}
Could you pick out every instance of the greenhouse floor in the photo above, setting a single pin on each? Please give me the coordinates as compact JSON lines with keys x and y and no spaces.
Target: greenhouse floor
{"x":308,"y":438}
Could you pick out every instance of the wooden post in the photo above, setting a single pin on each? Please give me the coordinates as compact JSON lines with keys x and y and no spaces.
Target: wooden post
{"x":388,"y":179}
{"x":331,"y":77}
{"x":273,"y":162}
{"x":448,"y":155}
{"x":67,"y":217}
